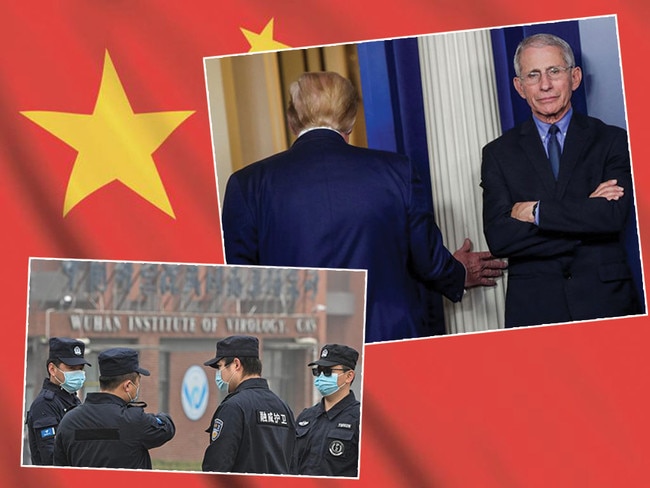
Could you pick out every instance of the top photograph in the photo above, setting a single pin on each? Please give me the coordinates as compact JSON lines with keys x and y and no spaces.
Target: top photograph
{"x":483,"y":178}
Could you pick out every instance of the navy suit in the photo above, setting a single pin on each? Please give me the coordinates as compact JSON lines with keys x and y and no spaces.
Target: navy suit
{"x":572,"y":266}
{"x":325,"y":203}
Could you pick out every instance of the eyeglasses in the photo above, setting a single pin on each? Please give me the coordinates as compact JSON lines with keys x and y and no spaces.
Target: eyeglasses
{"x":553,"y":73}
{"x":326,"y":371}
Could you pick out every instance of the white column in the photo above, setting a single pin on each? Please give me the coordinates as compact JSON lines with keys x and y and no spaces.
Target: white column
{"x":462,"y":115}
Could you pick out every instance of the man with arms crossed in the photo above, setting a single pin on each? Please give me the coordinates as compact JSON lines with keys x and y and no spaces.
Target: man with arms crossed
{"x":556,"y":195}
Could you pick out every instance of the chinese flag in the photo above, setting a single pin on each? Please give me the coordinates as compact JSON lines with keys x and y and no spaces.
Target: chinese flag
{"x":87,"y":83}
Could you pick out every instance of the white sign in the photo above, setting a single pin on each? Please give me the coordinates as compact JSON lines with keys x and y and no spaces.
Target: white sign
{"x":194,"y":392}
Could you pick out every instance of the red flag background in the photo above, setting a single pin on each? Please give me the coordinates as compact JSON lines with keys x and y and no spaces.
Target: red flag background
{"x":562,"y":406}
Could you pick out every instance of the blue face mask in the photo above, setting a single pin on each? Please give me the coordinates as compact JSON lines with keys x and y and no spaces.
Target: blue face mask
{"x":137,"y":394}
{"x":327,"y":385}
{"x":73,"y":380}
{"x":221,"y":384}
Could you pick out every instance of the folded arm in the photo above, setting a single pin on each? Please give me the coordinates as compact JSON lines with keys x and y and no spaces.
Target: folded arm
{"x":511,"y":237}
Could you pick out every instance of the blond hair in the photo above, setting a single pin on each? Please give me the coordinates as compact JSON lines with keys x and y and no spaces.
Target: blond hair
{"x":322,"y":99}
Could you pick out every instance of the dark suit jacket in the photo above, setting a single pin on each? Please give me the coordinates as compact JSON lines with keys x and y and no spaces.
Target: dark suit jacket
{"x":573,"y":265}
{"x":325,"y":203}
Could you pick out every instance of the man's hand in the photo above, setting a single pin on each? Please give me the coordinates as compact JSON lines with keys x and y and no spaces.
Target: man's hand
{"x":523,"y":211}
{"x":609,"y":190}
{"x":481,"y":267}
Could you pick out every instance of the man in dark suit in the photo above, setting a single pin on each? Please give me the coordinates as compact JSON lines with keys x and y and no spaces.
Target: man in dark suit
{"x":561,"y":234}
{"x":326,"y":203}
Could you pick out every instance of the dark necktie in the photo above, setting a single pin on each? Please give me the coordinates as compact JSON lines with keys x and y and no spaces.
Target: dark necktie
{"x":554,"y":151}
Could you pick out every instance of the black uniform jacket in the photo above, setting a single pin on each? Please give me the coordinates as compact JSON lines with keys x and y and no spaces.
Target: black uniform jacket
{"x":107,"y":432}
{"x":252,"y":431}
{"x":43,"y":418}
{"x":327,"y":442}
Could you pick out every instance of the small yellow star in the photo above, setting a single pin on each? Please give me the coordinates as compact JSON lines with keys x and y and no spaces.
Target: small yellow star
{"x":264,"y":40}
{"x":113,"y":143}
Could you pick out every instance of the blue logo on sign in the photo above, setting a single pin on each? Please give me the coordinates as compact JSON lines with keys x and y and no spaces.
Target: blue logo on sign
{"x":194,"y":392}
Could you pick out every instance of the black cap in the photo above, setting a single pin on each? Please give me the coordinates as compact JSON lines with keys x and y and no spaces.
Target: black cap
{"x":119,"y":361}
{"x":236,"y":347}
{"x":333,"y":354}
{"x":68,"y":351}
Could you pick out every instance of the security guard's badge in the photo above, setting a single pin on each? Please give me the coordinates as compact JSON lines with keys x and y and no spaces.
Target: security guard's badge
{"x":324,"y":353}
{"x":216,"y":429}
{"x":336,"y":448}
{"x":77,"y":351}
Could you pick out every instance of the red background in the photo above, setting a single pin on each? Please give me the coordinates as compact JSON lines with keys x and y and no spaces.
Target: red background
{"x":562,"y":406}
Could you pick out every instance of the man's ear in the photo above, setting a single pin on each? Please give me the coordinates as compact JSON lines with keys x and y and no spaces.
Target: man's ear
{"x":576,"y":78}
{"x":516,"y":81}
{"x":351,"y":375}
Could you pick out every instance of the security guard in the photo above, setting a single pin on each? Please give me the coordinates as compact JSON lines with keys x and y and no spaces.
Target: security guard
{"x":65,"y":367}
{"x":252,"y":430}
{"x":111,"y":429}
{"x":327,"y":434}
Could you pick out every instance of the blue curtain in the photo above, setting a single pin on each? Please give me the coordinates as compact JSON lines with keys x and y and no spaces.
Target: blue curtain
{"x":392,"y":99}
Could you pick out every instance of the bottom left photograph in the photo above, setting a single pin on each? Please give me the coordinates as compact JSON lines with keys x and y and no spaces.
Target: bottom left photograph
{"x":194,"y":367}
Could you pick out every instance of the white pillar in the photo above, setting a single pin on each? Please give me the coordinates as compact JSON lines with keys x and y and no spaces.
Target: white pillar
{"x":462,"y":115}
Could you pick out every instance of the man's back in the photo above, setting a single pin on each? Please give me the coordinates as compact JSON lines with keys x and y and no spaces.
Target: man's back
{"x":108,"y":432}
{"x":325,"y":203}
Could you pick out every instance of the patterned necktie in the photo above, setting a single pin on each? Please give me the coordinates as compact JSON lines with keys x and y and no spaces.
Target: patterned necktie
{"x":554,"y":151}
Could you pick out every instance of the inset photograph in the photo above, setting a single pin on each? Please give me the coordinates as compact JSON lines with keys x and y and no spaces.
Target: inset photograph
{"x":194,"y":367}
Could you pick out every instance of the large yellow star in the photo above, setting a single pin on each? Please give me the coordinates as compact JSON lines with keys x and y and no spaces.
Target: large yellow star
{"x":113,"y":143}
{"x":264,"y":40}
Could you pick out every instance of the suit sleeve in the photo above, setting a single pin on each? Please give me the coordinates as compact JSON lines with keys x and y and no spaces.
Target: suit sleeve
{"x":506,"y":236}
{"x":431,"y":260}
{"x":240,"y":233}
{"x":595,"y":215}
{"x":226,"y":435}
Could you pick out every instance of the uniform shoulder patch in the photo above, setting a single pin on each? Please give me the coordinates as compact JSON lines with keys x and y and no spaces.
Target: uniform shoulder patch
{"x":47,"y":433}
{"x":216,"y":429}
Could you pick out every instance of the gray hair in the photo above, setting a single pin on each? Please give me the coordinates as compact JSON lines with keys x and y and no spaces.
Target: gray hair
{"x":543,"y":40}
